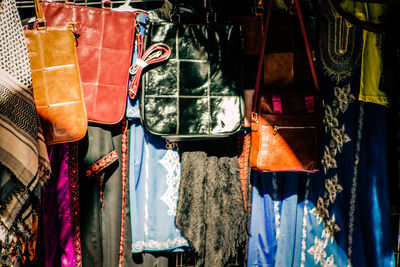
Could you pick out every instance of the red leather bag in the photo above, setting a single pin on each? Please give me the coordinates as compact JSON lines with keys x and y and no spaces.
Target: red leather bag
{"x":104,"y":52}
{"x":286,"y":117}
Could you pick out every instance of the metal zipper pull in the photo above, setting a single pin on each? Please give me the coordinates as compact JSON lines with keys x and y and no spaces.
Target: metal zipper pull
{"x":276,"y":128}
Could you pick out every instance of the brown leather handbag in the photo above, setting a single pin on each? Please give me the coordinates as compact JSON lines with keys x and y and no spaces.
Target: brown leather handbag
{"x":57,"y":89}
{"x":286,"y":117}
{"x":104,"y":50}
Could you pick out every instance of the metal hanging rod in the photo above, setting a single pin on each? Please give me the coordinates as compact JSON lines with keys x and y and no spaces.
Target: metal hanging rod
{"x":29,"y":3}
{"x":397,"y":2}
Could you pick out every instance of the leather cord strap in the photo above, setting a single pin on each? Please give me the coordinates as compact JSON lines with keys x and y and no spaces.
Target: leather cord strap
{"x":39,"y":14}
{"x":156,"y":53}
{"x":261,"y":59}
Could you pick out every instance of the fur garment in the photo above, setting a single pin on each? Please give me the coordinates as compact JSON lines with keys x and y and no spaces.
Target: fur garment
{"x":210,"y":212}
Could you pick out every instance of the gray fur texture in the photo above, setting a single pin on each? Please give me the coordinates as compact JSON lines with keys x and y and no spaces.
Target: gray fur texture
{"x":210,"y":212}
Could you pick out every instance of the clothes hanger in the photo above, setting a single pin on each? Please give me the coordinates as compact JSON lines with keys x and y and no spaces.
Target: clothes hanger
{"x":379,"y":1}
{"x":126,"y":7}
{"x":29,"y":3}
{"x":369,"y":26}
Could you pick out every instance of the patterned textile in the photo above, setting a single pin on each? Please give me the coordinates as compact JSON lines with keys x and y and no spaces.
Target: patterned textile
{"x":338,"y":216}
{"x":154,"y":176}
{"x":22,"y":148}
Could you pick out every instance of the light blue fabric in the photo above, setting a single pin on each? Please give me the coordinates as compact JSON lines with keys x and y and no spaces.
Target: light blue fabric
{"x":154,"y":177}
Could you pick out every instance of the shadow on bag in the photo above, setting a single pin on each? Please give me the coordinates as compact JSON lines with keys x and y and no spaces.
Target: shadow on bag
{"x":287,"y":114}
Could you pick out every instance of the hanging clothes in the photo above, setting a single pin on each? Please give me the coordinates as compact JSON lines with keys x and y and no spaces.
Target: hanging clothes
{"x":372,"y":48}
{"x":154,"y":173}
{"x":56,"y":211}
{"x":154,"y":176}
{"x":210,"y":212}
{"x":325,"y":218}
{"x":24,"y":162}
{"x":103,"y":216}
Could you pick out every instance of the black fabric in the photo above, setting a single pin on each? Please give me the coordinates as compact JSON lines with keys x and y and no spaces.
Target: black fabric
{"x":101,"y":222}
{"x":210,"y":212}
{"x":198,"y":91}
{"x":8,"y":184}
{"x":97,"y":144}
{"x":152,"y":259}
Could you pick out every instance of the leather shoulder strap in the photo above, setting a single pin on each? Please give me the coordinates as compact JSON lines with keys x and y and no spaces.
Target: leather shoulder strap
{"x":261,"y":58}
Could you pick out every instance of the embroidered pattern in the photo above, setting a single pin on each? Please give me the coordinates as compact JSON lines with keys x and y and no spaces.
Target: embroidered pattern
{"x":354,"y":185}
{"x":170,"y":162}
{"x":330,"y":118}
{"x":243,"y":146}
{"x":340,"y":45}
{"x":333,"y":188}
{"x":339,"y":138}
{"x":329,"y":262}
{"x":344,"y":97}
{"x":101,"y":164}
{"x":156,"y":245}
{"x":124,"y":172}
{"x":318,"y":250}
{"x":304,"y":230}
{"x":321,"y":210}
{"x":328,"y":160}
{"x":74,"y":198}
{"x":276,"y":205}
{"x":330,"y":227}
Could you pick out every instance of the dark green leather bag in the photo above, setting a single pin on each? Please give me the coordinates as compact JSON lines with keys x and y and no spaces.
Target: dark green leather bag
{"x":197,"y":93}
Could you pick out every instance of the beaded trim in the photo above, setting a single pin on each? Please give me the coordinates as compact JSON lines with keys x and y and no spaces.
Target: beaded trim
{"x":74,"y":199}
{"x":124,"y":187}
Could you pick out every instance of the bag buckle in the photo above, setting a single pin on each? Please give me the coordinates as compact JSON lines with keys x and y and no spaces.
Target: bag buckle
{"x":259,"y":8}
{"x":254,"y":122}
{"x":40,"y":24}
{"x":276,"y":104}
{"x":171,"y":145}
{"x":291,"y":6}
{"x":106,"y":4}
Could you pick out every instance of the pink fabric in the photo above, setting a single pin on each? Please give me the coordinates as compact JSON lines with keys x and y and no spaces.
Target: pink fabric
{"x":309,"y":103}
{"x":57,"y":227}
{"x":276,"y":104}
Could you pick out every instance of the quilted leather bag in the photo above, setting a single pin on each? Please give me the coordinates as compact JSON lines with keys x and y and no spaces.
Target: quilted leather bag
{"x":104,"y":50}
{"x":286,"y":118}
{"x":57,"y":89}
{"x":197,"y":93}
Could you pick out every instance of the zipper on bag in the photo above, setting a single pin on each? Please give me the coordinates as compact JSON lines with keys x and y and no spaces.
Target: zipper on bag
{"x":277,"y":128}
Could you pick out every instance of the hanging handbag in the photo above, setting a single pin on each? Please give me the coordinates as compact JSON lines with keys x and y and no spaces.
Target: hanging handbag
{"x":252,"y":28}
{"x":286,"y":121}
{"x":57,"y":89}
{"x":197,"y":93}
{"x":104,"y":50}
